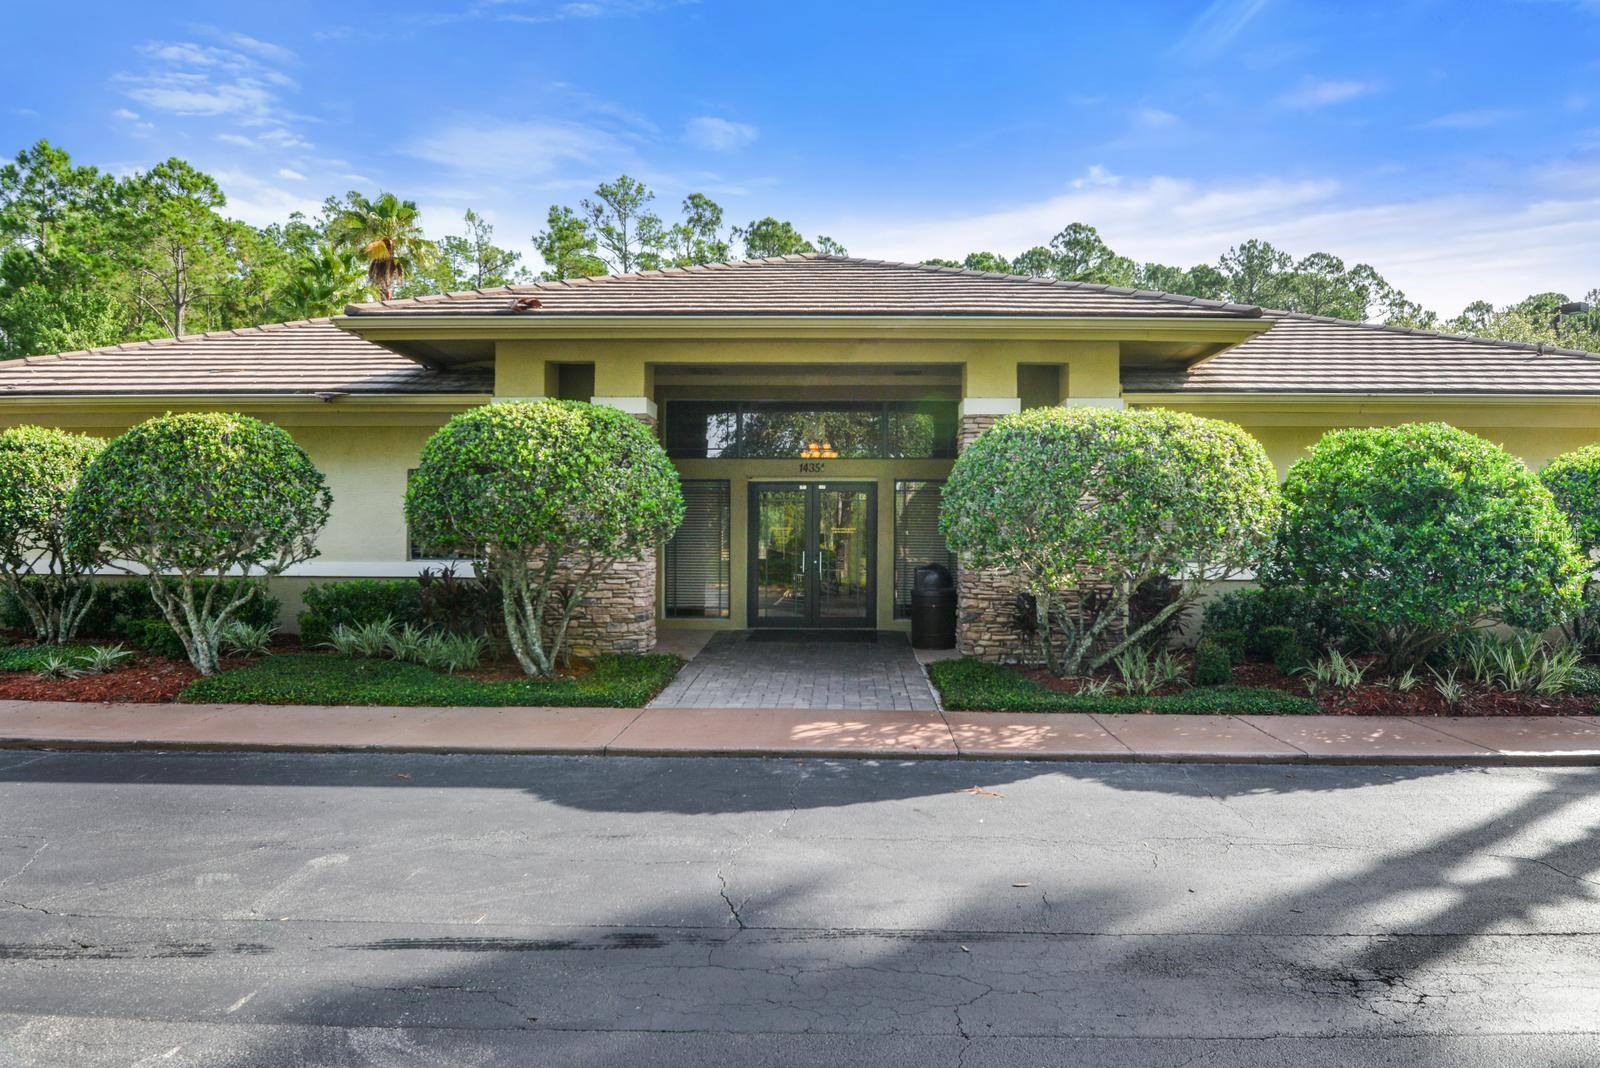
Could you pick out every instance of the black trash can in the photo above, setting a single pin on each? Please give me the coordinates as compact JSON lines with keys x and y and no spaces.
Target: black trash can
{"x":933,"y":608}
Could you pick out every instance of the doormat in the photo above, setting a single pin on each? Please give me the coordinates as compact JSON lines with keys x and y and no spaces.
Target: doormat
{"x":797,"y":637}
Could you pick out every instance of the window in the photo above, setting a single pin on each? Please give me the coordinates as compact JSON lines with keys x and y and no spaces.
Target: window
{"x":697,"y":556}
{"x":777,"y":430}
{"x":917,"y":540}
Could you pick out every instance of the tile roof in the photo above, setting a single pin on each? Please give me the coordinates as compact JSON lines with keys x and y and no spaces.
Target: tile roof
{"x":306,"y":357}
{"x":812,"y":284}
{"x":1313,"y":354}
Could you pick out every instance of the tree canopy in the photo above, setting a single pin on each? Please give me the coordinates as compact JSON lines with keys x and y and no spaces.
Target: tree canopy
{"x":89,"y":258}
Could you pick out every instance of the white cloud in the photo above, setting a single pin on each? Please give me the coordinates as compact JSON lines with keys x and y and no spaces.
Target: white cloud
{"x":1155,"y":118}
{"x":1215,"y":27}
{"x":266,"y":50}
{"x":1444,"y":251}
{"x":259,"y":202}
{"x":124,"y":113}
{"x":196,"y":80}
{"x":1316,"y":93}
{"x":718,"y":134}
{"x":533,"y":149}
{"x":1470,"y":120}
{"x":282,"y":138}
{"x":1096,"y":176}
{"x":291,"y":175}
{"x":237,"y":139}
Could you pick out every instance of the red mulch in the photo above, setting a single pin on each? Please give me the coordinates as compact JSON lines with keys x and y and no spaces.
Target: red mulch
{"x":145,"y":678}
{"x":1377,"y":699}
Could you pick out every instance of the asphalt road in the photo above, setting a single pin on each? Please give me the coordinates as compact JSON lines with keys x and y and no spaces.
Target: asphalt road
{"x":222,"y":910}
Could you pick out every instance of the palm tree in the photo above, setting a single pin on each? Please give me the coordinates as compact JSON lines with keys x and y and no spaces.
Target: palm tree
{"x":322,"y":282}
{"x":384,"y":233}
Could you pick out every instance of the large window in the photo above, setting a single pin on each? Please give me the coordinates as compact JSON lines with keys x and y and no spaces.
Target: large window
{"x":774,"y":430}
{"x":917,"y":540}
{"x":697,"y":556}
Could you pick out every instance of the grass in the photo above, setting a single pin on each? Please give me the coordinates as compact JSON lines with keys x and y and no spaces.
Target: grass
{"x":973,"y":686}
{"x":31,"y":657}
{"x":322,"y":679}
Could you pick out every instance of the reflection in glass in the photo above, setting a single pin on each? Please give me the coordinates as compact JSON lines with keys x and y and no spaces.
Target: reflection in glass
{"x":843,"y":555}
{"x":780,"y":552}
{"x":777,"y":430}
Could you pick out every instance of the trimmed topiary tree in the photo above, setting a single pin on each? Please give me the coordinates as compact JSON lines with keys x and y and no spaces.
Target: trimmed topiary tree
{"x":195,"y":496}
{"x":1417,"y":533}
{"x":546,"y":496}
{"x":39,"y":469}
{"x":1573,"y":479}
{"x":1085,"y":505}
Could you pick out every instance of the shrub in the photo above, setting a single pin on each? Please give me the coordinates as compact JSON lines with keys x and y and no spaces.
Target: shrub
{"x":547,"y":496}
{"x":319,"y":679}
{"x":1416,"y":533}
{"x":1268,"y":640}
{"x":1573,"y":479}
{"x":1213,"y":665}
{"x":32,"y":657}
{"x":356,"y":602}
{"x":239,"y":638}
{"x":1231,"y":640}
{"x":39,"y":469}
{"x":1291,"y":657}
{"x":153,"y":636}
{"x":969,"y":685}
{"x":453,"y":603}
{"x":195,"y":495}
{"x":1105,"y":500}
{"x":1251,"y":611}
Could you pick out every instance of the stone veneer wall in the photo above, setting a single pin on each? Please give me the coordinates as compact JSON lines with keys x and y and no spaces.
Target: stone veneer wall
{"x":986,"y":600}
{"x":618,"y":615}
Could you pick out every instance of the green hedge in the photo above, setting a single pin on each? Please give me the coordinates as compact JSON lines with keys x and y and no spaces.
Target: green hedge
{"x":320,"y":679}
{"x":121,"y":606}
{"x":357,"y":602}
{"x":30,"y":657}
{"x":974,"y":686}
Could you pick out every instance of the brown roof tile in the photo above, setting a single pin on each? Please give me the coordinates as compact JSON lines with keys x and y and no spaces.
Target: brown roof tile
{"x":1313,"y":354}
{"x":811,"y":284}
{"x":305,"y":357}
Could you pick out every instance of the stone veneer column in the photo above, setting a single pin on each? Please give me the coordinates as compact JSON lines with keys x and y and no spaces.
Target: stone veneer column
{"x":619,"y":615}
{"x":986,"y":600}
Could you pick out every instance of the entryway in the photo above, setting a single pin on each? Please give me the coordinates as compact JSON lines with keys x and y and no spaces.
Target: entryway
{"x":813,"y":554}
{"x":839,"y":669}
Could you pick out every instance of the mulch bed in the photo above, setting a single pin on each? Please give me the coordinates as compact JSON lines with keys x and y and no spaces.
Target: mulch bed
{"x":146,"y":678}
{"x":1376,"y":699}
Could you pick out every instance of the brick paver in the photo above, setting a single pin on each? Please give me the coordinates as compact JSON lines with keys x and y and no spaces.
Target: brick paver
{"x":846,"y":671}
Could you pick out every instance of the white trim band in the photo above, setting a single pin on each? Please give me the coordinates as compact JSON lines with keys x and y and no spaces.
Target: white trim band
{"x":983,"y":406}
{"x":1094,"y":402}
{"x":643,"y":407}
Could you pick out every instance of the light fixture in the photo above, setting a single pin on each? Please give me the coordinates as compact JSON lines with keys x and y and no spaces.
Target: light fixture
{"x":819,"y":450}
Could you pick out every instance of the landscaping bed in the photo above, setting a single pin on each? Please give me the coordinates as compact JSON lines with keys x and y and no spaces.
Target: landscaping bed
{"x":1255,"y":689}
{"x":320,"y":679}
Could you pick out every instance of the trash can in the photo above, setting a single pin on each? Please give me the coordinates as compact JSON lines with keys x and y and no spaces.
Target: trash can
{"x":933,"y":608}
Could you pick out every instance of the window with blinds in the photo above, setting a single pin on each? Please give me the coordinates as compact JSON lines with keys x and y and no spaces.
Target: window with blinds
{"x":697,"y":555}
{"x":917,"y":540}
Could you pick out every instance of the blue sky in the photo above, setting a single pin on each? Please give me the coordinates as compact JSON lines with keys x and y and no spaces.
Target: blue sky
{"x":1454,"y":145}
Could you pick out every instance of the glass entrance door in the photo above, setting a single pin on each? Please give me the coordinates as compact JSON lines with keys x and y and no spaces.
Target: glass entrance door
{"x":812,"y":554}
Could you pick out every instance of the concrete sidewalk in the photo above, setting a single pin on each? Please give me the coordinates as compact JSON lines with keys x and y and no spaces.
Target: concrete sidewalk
{"x":801,"y":732}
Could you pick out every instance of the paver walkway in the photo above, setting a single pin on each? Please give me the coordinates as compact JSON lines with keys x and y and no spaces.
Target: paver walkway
{"x":789,"y":732}
{"x":872,"y":670}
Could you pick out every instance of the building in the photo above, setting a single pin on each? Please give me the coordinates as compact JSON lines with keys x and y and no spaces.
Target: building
{"x":812,"y":404}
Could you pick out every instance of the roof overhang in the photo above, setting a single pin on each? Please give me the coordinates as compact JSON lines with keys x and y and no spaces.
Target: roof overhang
{"x":454,"y":340}
{"x":1470,"y":410}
